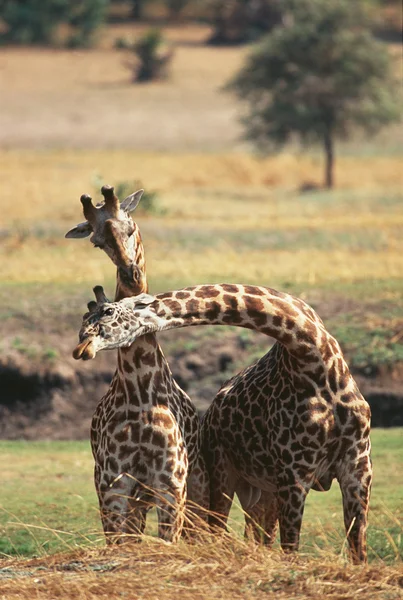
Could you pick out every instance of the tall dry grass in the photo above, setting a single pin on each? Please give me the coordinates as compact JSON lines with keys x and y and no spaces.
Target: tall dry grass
{"x":217,"y":568}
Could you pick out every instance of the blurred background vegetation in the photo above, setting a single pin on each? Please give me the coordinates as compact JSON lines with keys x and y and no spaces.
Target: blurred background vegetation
{"x":267,"y":135}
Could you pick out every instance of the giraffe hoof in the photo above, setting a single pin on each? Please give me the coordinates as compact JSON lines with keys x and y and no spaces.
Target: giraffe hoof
{"x":85,"y":351}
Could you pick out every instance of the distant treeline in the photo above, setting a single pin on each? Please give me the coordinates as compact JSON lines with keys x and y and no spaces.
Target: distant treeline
{"x":232,"y":21}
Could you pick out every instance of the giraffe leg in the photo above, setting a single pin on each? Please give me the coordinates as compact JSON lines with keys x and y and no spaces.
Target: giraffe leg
{"x":198,"y":498}
{"x":261,"y":520}
{"x":355,"y":483}
{"x":222,"y":490}
{"x":121,"y":515}
{"x":292,"y":494}
{"x":171,"y":513}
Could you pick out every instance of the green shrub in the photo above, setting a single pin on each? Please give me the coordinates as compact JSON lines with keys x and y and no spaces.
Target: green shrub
{"x":152,"y":57}
{"x":37,"y":21}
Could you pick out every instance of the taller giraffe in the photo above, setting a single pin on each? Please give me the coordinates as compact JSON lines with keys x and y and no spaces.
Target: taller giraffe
{"x":145,"y":433}
{"x":293,"y":421}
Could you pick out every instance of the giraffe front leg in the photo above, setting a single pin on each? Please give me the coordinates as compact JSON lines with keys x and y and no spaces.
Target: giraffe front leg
{"x":171,"y":513}
{"x":355,"y":483}
{"x":261,"y":520}
{"x":123,"y":518}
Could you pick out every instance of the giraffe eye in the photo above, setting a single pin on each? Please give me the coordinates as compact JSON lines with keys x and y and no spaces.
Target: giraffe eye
{"x":108,"y":312}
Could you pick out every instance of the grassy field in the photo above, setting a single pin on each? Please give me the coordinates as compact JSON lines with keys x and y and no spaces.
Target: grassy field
{"x":48,"y":502}
{"x":49,"y":511}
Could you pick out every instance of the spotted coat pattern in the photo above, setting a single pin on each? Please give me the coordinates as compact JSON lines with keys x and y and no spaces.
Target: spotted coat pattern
{"x":293,"y":421}
{"x":145,"y":433}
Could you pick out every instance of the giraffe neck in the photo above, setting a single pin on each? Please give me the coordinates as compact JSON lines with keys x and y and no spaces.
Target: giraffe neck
{"x":287,"y":319}
{"x":144,"y":372}
{"x":139,"y":364}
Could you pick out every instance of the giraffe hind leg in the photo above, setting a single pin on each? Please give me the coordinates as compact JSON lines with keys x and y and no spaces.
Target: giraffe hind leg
{"x":355,"y":484}
{"x":261,"y":520}
{"x":198,"y":499}
{"x":292,"y":492}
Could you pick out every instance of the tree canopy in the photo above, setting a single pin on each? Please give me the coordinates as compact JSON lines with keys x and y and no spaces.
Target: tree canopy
{"x":319,"y":77}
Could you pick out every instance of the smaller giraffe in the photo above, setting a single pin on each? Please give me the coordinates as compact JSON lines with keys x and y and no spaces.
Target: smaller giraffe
{"x":292,"y":422}
{"x":145,"y":432}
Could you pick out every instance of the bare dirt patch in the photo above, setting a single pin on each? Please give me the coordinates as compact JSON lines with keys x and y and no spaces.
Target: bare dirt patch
{"x":86,"y":99}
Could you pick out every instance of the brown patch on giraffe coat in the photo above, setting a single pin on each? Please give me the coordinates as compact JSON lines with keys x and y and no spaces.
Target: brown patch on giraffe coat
{"x":254,"y":291}
{"x":127,"y":367}
{"x":332,"y":378}
{"x":207,"y":291}
{"x":277,"y":320}
{"x":173,"y":305}
{"x":163,"y":420}
{"x":213,"y":309}
{"x":122,"y":436}
{"x":145,"y":387}
{"x":120,"y":400}
{"x":124,"y":451}
{"x":132,"y":392}
{"x":182,"y":295}
{"x":141,"y":358}
{"x":230,"y":288}
{"x":159,"y":439}
{"x":256,"y":311}
{"x":192,"y":308}
{"x":159,"y":382}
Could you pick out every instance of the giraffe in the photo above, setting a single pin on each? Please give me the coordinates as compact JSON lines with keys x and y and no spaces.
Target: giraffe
{"x":293,"y":421}
{"x":145,"y":433}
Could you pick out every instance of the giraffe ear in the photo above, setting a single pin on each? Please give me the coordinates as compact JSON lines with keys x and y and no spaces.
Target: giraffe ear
{"x":81,"y":230}
{"x":143,"y":300}
{"x":131,"y":202}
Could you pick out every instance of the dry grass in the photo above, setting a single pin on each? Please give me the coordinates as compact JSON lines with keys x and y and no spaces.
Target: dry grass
{"x":215,"y":569}
{"x":217,"y":198}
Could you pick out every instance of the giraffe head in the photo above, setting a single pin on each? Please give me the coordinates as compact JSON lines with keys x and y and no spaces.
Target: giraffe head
{"x":114,"y":231}
{"x":109,"y":325}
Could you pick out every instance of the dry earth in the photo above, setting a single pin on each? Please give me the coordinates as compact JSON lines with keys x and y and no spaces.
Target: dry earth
{"x":85,"y":99}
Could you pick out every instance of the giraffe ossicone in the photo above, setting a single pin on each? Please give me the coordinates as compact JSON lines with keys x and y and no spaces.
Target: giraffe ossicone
{"x":293,"y":421}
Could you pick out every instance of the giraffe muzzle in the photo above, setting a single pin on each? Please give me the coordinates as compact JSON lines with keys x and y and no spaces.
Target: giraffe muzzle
{"x":85,"y":350}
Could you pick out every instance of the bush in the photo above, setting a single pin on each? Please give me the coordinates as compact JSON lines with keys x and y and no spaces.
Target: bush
{"x":37,"y":21}
{"x":152,"y":57}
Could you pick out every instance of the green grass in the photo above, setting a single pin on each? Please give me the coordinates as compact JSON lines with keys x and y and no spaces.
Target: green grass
{"x":48,"y":502}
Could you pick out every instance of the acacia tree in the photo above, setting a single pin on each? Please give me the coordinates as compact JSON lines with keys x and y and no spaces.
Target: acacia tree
{"x":318,"y":77}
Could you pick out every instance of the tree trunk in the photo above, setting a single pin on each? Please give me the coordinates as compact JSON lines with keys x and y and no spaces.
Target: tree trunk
{"x":137,"y":10}
{"x":329,"y":158}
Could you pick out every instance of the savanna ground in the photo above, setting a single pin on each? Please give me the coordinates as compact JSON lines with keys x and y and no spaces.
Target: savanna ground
{"x":70,"y":121}
{"x":59,"y":526}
